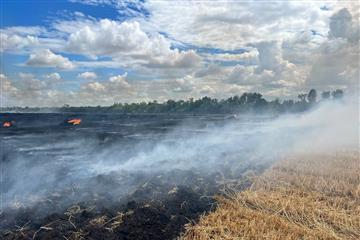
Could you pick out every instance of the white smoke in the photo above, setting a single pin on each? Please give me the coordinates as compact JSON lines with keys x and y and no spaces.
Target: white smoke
{"x":234,"y":145}
{"x":329,"y":127}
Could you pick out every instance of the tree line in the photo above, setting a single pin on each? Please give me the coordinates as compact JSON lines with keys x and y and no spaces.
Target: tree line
{"x":247,"y":102}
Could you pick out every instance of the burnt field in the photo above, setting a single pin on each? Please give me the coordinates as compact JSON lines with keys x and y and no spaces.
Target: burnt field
{"x":122,"y":176}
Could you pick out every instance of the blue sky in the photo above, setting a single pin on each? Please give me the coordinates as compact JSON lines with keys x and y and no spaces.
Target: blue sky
{"x":40,"y":12}
{"x":91,"y":52}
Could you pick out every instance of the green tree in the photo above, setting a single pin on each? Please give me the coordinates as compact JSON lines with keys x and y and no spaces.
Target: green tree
{"x":337,"y":94}
{"x":312,"y":95}
{"x":325,"y":95}
{"x":302,"y":97}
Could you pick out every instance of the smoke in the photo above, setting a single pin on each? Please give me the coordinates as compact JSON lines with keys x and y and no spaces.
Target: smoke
{"x":47,"y":164}
{"x":329,"y":127}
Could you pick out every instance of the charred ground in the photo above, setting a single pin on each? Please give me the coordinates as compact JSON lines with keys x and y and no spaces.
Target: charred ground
{"x":157,"y":209}
{"x":117,"y":204}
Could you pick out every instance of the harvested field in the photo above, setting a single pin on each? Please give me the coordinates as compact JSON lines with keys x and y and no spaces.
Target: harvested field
{"x":313,"y":196}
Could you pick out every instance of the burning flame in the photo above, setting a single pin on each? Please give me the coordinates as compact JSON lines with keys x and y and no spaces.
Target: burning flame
{"x":74,"y":121}
{"x":7,"y":124}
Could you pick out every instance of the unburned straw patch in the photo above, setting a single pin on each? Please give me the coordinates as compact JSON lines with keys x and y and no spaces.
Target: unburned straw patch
{"x":305,"y":197}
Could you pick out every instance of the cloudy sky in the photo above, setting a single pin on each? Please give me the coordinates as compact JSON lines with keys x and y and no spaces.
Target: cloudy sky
{"x":97,"y":52}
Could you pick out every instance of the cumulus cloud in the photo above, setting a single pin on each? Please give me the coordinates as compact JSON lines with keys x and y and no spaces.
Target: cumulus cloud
{"x":184,"y":85}
{"x":119,"y":81}
{"x":115,"y":89}
{"x":336,"y":62}
{"x":128,"y":8}
{"x":31,"y":91}
{"x":22,"y":40}
{"x":94,"y":87}
{"x":28,"y":84}
{"x":207,"y":90}
{"x":26,"y":75}
{"x":230,"y":24}
{"x":53,"y":76}
{"x":342,"y":26}
{"x":247,"y":75}
{"x":211,"y":70}
{"x":25,"y":91}
{"x":128,"y":41}
{"x":46,"y":58}
{"x":270,"y":57}
{"x":7,"y":87}
{"x":271,"y":70}
{"x":300,"y":48}
{"x":248,"y":57}
{"x":192,"y":49}
{"x":87,"y":75}
{"x":16,"y":42}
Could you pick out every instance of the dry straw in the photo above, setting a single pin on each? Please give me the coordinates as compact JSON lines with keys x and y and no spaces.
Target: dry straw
{"x":305,"y":197}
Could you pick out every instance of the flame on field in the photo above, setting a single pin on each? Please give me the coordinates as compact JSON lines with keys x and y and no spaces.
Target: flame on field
{"x":74,"y":121}
{"x":7,"y":124}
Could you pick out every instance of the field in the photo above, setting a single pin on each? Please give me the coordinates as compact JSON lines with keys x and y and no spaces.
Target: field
{"x":313,"y":196}
{"x":155,"y":177}
{"x":119,"y":176}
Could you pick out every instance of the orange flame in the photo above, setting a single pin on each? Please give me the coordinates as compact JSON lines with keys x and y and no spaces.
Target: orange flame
{"x":74,"y":121}
{"x":7,"y":124}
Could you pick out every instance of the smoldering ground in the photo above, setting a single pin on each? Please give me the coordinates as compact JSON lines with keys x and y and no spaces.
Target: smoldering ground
{"x":175,"y":165}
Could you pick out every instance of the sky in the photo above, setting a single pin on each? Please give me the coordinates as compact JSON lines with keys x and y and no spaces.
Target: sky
{"x":100,"y":52}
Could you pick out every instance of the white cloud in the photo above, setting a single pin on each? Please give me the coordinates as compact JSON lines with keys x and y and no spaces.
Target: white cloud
{"x":22,"y":40}
{"x":184,"y":85}
{"x":247,"y":75}
{"x":342,"y":26}
{"x":271,"y":71}
{"x":16,"y":42}
{"x":113,"y":88}
{"x":136,"y":7}
{"x":212,"y":70}
{"x":53,"y":76}
{"x":290,"y":46}
{"x":127,"y":41}
{"x":248,"y":57}
{"x":88,"y":75}
{"x":95,"y":87}
{"x":230,"y":24}
{"x":119,"y":81}
{"x":270,"y":55}
{"x":46,"y":58}
{"x":333,"y":64}
{"x":300,"y":48}
{"x":93,"y":2}
{"x":336,"y":61}
{"x":26,"y":91}
{"x":207,"y":90}
{"x":26,"y":75}
{"x":28,"y":83}
{"x":7,"y":87}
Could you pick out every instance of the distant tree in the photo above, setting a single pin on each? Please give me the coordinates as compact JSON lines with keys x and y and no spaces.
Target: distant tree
{"x":288,"y":102}
{"x":247,"y":102}
{"x":337,"y":94}
{"x":252,"y":98}
{"x":302,"y":97}
{"x":325,"y":95}
{"x":311,"y":97}
{"x":288,"y":105}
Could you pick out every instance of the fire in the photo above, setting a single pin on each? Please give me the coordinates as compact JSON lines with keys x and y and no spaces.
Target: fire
{"x":7,"y":124}
{"x":74,"y":121}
